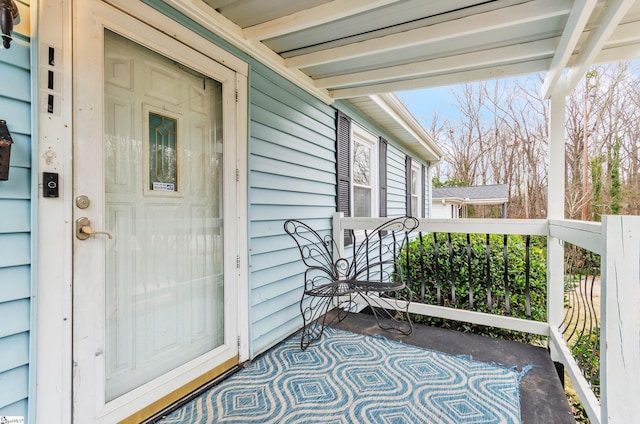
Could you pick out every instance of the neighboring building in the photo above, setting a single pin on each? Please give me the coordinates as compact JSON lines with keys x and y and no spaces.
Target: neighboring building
{"x":454,"y":202}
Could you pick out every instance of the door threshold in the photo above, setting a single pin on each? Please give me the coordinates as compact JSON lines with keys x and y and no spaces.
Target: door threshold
{"x":186,"y":398}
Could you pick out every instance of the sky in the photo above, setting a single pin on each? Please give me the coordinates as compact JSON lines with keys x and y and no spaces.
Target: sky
{"x":422,"y":103}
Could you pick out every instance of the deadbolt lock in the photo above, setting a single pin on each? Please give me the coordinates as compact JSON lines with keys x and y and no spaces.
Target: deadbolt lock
{"x":82,"y":202}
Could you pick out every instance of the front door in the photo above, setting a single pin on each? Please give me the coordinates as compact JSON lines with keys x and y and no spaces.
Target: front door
{"x":154,"y":254}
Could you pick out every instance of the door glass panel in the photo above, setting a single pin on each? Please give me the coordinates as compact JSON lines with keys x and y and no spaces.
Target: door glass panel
{"x":163,"y":170}
{"x":163,"y":205}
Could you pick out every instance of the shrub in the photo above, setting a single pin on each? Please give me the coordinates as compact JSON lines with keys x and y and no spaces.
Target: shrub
{"x":454,"y":270}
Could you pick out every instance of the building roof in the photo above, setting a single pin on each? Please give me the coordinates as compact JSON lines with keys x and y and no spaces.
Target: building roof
{"x":392,"y":115}
{"x":496,"y":193}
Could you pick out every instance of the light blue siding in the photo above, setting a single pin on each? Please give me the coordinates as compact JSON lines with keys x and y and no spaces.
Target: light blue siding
{"x":17,"y":55}
{"x":15,"y":227}
{"x":14,"y":284}
{"x":16,"y":380}
{"x":396,"y":182}
{"x":20,"y":78}
{"x":291,"y":175}
{"x":15,"y":215}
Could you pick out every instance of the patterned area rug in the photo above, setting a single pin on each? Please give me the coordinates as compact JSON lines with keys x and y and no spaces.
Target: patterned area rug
{"x":351,"y":378}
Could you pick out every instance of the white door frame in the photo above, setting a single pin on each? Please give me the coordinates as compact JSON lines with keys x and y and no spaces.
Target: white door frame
{"x":53,"y":298}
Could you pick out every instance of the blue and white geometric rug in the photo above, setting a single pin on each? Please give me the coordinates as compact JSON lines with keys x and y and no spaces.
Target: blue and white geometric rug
{"x":352,"y":378}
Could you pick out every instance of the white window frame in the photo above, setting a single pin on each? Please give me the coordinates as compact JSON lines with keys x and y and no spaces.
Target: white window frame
{"x":362,"y":136}
{"x":416,"y":192}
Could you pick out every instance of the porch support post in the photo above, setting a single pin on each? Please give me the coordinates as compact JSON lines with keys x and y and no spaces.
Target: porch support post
{"x":555,"y":208}
{"x":338,"y":236}
{"x":620,"y":319}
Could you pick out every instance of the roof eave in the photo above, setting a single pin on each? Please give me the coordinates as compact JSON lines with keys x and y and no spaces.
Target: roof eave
{"x":416,"y":138}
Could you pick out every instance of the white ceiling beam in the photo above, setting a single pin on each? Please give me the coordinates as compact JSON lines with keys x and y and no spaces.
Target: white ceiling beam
{"x":328,"y":12}
{"x":450,"y":64}
{"x":624,"y":44}
{"x":215,"y":22}
{"x":219,"y":3}
{"x":576,"y":23}
{"x":614,"y":11}
{"x":511,"y":16}
{"x":619,"y":54}
{"x":626,"y":33}
{"x":463,"y":77}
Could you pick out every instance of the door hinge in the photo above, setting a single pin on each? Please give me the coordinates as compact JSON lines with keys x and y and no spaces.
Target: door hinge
{"x":238,"y":261}
{"x":237,"y":175}
{"x":238,"y":342}
{"x":237,"y":96}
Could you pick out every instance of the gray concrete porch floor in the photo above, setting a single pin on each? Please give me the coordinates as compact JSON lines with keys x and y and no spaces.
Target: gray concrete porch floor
{"x":542,"y":398}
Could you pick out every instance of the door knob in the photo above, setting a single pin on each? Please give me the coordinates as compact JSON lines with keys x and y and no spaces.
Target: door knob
{"x":84,"y":230}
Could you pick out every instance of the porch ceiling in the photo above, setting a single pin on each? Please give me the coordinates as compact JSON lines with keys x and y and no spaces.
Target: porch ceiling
{"x":357,"y":49}
{"x":352,"y":48}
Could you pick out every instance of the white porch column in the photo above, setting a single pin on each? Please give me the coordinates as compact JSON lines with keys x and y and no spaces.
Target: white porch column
{"x":338,"y":236}
{"x":555,"y":208}
{"x":620,"y":320}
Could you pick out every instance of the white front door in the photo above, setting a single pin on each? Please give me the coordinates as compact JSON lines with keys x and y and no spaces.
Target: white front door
{"x":154,"y":280}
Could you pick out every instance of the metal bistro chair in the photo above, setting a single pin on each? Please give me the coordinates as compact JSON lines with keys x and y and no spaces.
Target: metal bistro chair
{"x":370,"y":270}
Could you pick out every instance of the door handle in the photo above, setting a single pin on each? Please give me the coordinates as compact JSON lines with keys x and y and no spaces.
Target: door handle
{"x":84,"y":230}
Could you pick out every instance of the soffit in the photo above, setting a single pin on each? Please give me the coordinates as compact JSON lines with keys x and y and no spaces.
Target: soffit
{"x":352,"y":49}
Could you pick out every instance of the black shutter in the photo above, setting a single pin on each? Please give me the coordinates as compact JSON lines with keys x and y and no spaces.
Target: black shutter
{"x":382,"y":170}
{"x":343,"y":162}
{"x":424,"y":191}
{"x":407,"y":171}
{"x":343,"y":167}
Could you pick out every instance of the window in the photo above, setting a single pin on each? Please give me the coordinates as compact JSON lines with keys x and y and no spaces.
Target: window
{"x":361,"y":170}
{"x":416,"y":191}
{"x":364,"y":173}
{"x":415,"y":188}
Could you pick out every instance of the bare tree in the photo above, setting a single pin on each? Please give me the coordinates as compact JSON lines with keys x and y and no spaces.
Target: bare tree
{"x":501,"y":136}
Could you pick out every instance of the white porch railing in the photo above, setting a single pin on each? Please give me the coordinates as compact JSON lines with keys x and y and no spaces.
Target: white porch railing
{"x":617,"y":241}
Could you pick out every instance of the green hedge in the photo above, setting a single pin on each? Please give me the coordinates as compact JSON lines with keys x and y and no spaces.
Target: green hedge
{"x":455,"y":267}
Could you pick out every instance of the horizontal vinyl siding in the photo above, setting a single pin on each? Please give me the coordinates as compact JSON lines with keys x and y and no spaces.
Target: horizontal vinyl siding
{"x":291,"y":175}
{"x":396,"y":182}
{"x":15,"y":224}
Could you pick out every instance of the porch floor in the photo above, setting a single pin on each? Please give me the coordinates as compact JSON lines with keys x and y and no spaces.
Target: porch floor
{"x":542,"y":398}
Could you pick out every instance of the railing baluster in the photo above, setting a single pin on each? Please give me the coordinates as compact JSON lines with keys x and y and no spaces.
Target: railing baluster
{"x":437,"y":261}
{"x":366,"y":242}
{"x":422,"y":269}
{"x":452,"y":276}
{"x":469,"y":271}
{"x":505,"y":253}
{"x":527,"y":270}
{"x":488,"y":252}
